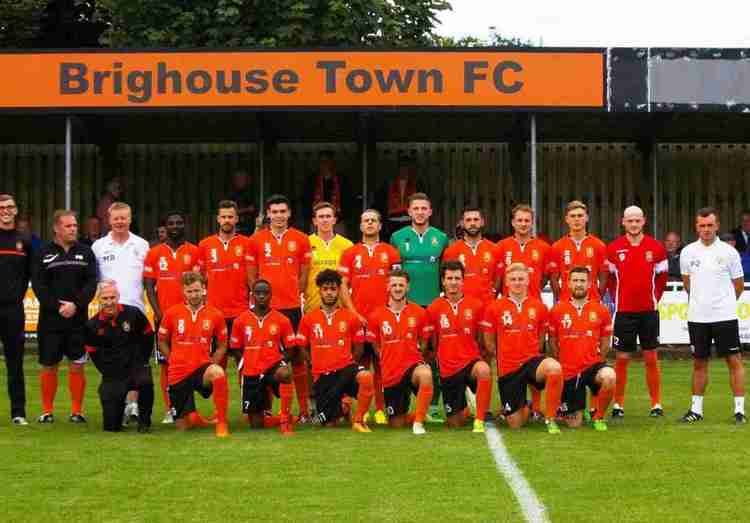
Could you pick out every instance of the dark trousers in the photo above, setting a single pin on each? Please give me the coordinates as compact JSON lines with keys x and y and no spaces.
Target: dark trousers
{"x":12,"y":338}
{"x":112,"y":393}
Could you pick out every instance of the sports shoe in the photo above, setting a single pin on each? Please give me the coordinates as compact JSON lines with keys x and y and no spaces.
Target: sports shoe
{"x":471,"y":401}
{"x":599,"y":425}
{"x":19,"y":420}
{"x":130,"y":414}
{"x":656,"y":412}
{"x":478,"y":426}
{"x":740,"y":418}
{"x":380,"y":418}
{"x":691,"y":417}
{"x":536,"y":417}
{"x":285,"y":427}
{"x":434,"y":415}
{"x":588,"y":415}
{"x":168,"y":418}
{"x":418,"y":429}
{"x":618,"y":415}
{"x":47,"y":417}
{"x":305,"y":419}
{"x":360,"y":427}
{"x":222,"y":430}
{"x":77,"y":418}
{"x":552,"y":427}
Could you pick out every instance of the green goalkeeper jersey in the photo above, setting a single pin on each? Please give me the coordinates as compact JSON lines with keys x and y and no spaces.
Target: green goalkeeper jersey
{"x":420,"y":257}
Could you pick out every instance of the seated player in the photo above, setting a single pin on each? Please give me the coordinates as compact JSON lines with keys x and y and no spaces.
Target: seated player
{"x":119,"y":340}
{"x":334,"y":336}
{"x":579,"y":335}
{"x":185,"y":337}
{"x":453,"y":322}
{"x":396,"y":332}
{"x":514,"y":328}
{"x":265,"y":336}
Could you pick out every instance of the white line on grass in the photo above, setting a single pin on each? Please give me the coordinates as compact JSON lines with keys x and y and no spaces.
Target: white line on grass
{"x":533,"y":509}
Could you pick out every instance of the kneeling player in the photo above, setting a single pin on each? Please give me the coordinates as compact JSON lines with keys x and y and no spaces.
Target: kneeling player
{"x":334,"y":337}
{"x":580,"y":331}
{"x":396,"y":332}
{"x":265,"y":336}
{"x":185,"y":336}
{"x":514,"y":328}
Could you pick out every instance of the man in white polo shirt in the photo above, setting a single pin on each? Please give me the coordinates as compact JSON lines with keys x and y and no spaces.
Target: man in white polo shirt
{"x":713,"y":278}
{"x":120,"y":256}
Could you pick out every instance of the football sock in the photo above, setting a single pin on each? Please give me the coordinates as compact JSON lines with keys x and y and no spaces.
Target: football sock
{"x":653,"y":376}
{"x":553,"y":390}
{"x":164,"y":383}
{"x":601,"y":402}
{"x":411,"y":417}
{"x":364,"y":395}
{"x":621,"y":370}
{"x":739,"y":404}
{"x":76,"y":386}
{"x":299,"y":373}
{"x":286,"y":393}
{"x":536,"y":399}
{"x":48,"y":383}
{"x":424,"y":395}
{"x":379,"y":394}
{"x":271,"y":421}
{"x":697,"y":404}
{"x":196,"y":420}
{"x":221,"y":398}
{"x":484,"y":390}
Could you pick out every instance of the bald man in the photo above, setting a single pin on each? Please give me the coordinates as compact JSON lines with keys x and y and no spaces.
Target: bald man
{"x":638,"y":264}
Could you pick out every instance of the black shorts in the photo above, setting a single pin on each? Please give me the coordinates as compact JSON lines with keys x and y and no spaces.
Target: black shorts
{"x":294,"y":316}
{"x":454,"y":389}
{"x":574,"y":389}
{"x":631,"y":325}
{"x":254,"y":397}
{"x":181,"y":394}
{"x":512,"y":387}
{"x":329,"y":389}
{"x":398,"y":397}
{"x":53,"y":345}
{"x":724,"y":334}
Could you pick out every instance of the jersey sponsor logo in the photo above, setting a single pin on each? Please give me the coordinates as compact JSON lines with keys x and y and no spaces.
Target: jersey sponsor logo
{"x":126,"y":326}
{"x":78,"y":256}
{"x":162,"y":263}
{"x":566,"y":321}
{"x":181,"y":326}
{"x":507,"y":318}
{"x":649,"y":256}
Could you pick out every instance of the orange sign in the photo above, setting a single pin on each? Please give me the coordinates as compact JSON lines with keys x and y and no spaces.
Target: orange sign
{"x":544,"y":79}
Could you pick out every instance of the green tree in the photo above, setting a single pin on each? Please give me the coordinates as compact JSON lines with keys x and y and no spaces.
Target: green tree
{"x":19,"y":22}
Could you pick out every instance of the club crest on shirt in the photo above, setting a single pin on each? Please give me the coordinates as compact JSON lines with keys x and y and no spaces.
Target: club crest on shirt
{"x":566,"y":321}
{"x":589,"y":252}
{"x":468,"y":314}
{"x":19,"y":246}
{"x":649,"y":256}
{"x":238,"y":250}
{"x":532,"y":313}
{"x":186,"y":260}
{"x":206,"y":325}
{"x":386,"y":328}
{"x":507,"y":318}
{"x":162,"y":263}
{"x":383,"y":257}
{"x":125,"y":326}
{"x":214,"y":256}
{"x":267,"y":250}
{"x":434,"y":242}
{"x":593,"y":317}
{"x":292,"y":246}
{"x":487,"y":257}
{"x":444,"y":323}
{"x":273,"y":329}
{"x":535,"y":255}
{"x":342,"y":327}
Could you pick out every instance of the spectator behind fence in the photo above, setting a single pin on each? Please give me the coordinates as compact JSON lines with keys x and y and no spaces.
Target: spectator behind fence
{"x":327,"y":185}
{"x":24,"y":228}
{"x":92,"y":231}
{"x":114,"y":192}
{"x":244,"y":197}
{"x":673,"y":245}
{"x":731,"y":239}
{"x":742,"y":233}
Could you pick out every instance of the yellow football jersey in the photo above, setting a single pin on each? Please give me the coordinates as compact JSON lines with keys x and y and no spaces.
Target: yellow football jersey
{"x":324,"y":256}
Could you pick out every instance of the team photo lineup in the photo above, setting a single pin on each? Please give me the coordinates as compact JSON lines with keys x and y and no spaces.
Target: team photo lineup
{"x":401,"y":331}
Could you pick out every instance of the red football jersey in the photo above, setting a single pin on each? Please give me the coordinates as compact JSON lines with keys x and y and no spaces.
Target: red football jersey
{"x":534,"y":254}
{"x":640,"y":273}
{"x":398,"y":337}
{"x":225,"y":267}
{"x":518,"y":330}
{"x":280,"y":261}
{"x":189,"y":335}
{"x":565,"y":254}
{"x":481,"y":266}
{"x":330,"y":339}
{"x":261,"y":340}
{"x":456,"y":328}
{"x":166,"y":267}
{"x":367,"y":269}
{"x":578,"y":333}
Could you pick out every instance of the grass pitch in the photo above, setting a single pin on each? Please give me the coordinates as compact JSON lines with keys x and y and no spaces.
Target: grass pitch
{"x":641,"y":470}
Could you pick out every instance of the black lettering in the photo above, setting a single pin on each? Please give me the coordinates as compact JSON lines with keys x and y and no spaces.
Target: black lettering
{"x":73,"y":78}
{"x":117,"y":78}
{"x":221,"y":82}
{"x":424,"y":77}
{"x":470,"y":74}
{"x":359,"y":81}
{"x":99,"y":77}
{"x":163,"y":74}
{"x":500,"y":84}
{"x":198,"y":82}
{"x":330,"y":69}
{"x":139,"y":85}
{"x":256,"y":80}
{"x":394,"y":77}
{"x":285,"y":81}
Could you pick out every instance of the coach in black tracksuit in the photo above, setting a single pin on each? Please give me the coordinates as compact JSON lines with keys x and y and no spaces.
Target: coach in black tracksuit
{"x":119,"y":340}
{"x":15,"y":271}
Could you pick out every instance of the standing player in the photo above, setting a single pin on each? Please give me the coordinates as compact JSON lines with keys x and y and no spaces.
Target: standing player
{"x":578,"y":248}
{"x":334,"y":337}
{"x":421,"y":247}
{"x":640,"y":268}
{"x":281,"y":255}
{"x":364,"y":269}
{"x":514,"y":328}
{"x":265,"y":337}
{"x":64,"y":281}
{"x":478,"y":256}
{"x":396,"y":332}
{"x":15,"y":265}
{"x":580,"y":332}
{"x":162,"y":276}
{"x":453,"y":323}
{"x":186,"y":334}
{"x":713,"y":278}
{"x":224,"y":259}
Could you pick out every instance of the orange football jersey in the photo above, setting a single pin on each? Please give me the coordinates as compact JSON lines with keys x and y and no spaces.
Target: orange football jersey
{"x":330,"y":339}
{"x":367,"y":269}
{"x":481,"y":266}
{"x":261,"y":340}
{"x":534,"y":255}
{"x":578,"y":333}
{"x":456,"y":328}
{"x":225,"y":267}
{"x":166,"y":267}
{"x":566,"y":253}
